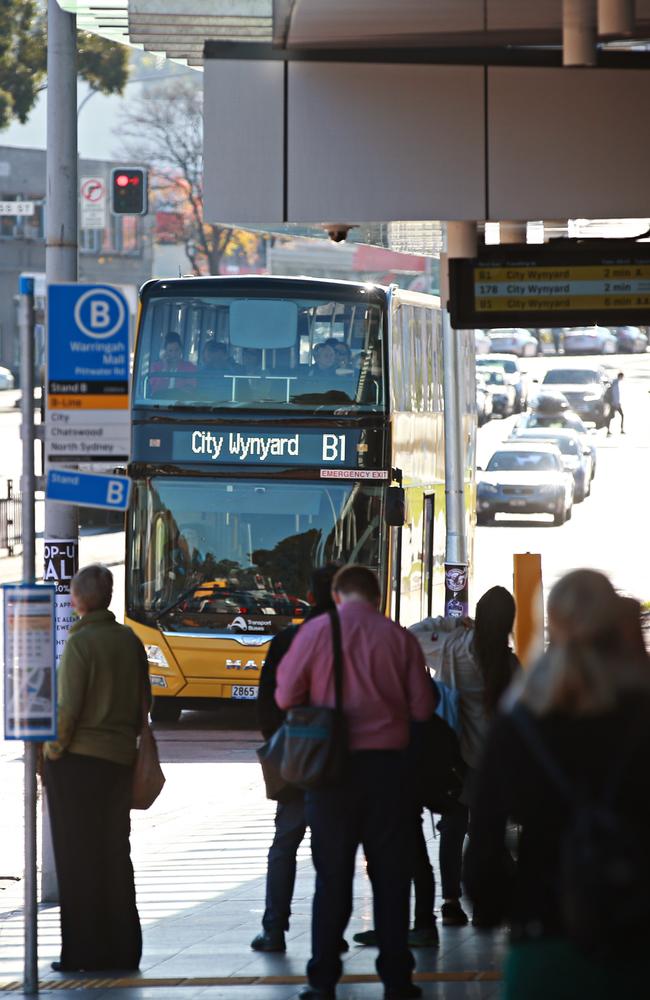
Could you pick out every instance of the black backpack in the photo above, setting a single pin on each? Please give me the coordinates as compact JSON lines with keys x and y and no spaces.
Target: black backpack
{"x":604,"y":888}
{"x":436,"y":766}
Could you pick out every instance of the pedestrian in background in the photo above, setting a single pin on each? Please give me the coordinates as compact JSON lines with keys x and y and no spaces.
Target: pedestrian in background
{"x":575,"y":746}
{"x":476,"y":660}
{"x":290,"y":822}
{"x":613,"y":397}
{"x":88,"y":770}
{"x":385,"y":686}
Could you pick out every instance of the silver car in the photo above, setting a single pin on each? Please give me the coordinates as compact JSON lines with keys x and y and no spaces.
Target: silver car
{"x":6,"y":379}
{"x":514,"y":340}
{"x":590,"y":340}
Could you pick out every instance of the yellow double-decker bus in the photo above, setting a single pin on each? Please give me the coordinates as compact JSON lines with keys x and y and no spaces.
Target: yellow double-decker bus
{"x":274,"y":422}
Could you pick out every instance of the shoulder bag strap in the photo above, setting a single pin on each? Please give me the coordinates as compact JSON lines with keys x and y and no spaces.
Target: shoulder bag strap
{"x":337,"y":652}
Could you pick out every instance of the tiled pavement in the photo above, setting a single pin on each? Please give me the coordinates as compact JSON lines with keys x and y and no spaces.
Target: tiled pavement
{"x":200,"y":857}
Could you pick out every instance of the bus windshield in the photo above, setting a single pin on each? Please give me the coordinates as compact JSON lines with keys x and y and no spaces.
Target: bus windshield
{"x":237,"y":556}
{"x":260,"y":351}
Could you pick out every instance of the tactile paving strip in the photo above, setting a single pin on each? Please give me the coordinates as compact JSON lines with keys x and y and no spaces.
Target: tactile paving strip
{"x":135,"y":983}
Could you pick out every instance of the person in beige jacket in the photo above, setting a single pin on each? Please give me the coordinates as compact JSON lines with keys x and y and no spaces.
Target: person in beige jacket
{"x":475,"y":659}
{"x":88,"y":773}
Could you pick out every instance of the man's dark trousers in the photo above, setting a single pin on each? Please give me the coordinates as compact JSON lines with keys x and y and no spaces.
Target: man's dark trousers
{"x":290,"y":826}
{"x":371,"y":807}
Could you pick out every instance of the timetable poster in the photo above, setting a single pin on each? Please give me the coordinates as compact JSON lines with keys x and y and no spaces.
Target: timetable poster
{"x":29,"y":662}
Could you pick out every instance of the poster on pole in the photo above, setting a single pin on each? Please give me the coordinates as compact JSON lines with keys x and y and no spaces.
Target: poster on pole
{"x":29,"y":662}
{"x":60,"y":563}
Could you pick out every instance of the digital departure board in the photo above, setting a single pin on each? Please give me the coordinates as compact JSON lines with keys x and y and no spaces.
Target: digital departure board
{"x":545,"y":286}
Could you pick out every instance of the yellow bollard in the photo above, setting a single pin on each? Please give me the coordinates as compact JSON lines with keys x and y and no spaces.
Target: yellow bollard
{"x":529,"y":597}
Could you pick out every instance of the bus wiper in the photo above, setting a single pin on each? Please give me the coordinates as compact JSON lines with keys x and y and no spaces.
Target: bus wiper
{"x":179,"y":600}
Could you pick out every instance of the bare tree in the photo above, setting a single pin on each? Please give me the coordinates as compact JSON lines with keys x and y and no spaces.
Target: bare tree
{"x":163,"y":129}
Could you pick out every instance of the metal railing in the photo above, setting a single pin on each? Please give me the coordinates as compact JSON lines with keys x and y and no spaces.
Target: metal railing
{"x":11,"y":534}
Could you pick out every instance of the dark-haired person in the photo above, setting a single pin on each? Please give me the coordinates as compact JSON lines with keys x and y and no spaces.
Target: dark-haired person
{"x":585,"y":712}
{"x":475,"y":658}
{"x":102,"y":680}
{"x":172,"y":363}
{"x":290,"y":822}
{"x":385,"y":686}
{"x":613,"y":397}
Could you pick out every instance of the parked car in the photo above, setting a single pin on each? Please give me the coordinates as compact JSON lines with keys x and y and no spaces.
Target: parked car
{"x":513,"y":375}
{"x":525,"y":479}
{"x":562,"y":420}
{"x":585,"y":389}
{"x":6,"y":379}
{"x":504,"y":398}
{"x":514,"y":340}
{"x":481,"y":342}
{"x":484,"y":404}
{"x":589,"y":340}
{"x":576,"y":456}
{"x":630,"y":340}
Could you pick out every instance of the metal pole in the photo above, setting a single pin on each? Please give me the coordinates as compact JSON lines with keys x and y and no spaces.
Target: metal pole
{"x":27,"y":485}
{"x":61,"y":520}
{"x":461,"y":242}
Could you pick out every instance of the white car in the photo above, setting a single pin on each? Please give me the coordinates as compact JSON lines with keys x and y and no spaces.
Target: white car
{"x":6,"y":379}
{"x":590,"y":340}
{"x":511,"y":372}
{"x":514,"y":340}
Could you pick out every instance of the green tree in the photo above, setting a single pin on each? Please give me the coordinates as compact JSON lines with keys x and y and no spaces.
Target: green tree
{"x":23,"y":60}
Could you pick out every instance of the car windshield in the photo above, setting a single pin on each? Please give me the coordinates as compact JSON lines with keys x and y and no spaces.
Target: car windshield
{"x":506,"y":366}
{"x":204,"y":553}
{"x":522,"y":461}
{"x":505,"y":332}
{"x":570,"y":376}
{"x":567,"y":445}
{"x":260,"y":352}
{"x":559,"y":420}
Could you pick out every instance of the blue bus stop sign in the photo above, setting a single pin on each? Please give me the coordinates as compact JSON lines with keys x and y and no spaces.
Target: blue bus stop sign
{"x":88,"y":489}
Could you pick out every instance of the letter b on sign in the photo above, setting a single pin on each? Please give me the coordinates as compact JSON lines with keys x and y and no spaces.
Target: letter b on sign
{"x":100,"y":314}
{"x":116,"y":493}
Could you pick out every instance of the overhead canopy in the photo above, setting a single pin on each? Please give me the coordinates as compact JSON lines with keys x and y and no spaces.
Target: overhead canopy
{"x":178,"y":28}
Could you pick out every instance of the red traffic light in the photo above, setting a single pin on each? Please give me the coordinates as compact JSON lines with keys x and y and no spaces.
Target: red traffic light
{"x":129,"y":191}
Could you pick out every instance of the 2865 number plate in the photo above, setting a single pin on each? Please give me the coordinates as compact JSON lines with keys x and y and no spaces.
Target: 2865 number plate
{"x":243,"y":692}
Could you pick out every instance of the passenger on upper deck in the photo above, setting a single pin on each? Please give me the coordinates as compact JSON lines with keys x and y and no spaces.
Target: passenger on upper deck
{"x":251,"y":361}
{"x":171,"y":361}
{"x":216,"y":358}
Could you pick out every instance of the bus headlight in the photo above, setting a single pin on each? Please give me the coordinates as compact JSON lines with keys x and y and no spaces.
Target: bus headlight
{"x":156,"y":656}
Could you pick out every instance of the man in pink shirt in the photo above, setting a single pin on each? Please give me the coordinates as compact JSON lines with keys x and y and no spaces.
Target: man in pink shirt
{"x":385,"y":687}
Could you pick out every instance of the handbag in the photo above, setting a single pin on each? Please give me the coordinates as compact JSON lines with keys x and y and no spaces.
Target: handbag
{"x":148,"y":777}
{"x":270,"y":756}
{"x":436,"y":764}
{"x":315,"y":739}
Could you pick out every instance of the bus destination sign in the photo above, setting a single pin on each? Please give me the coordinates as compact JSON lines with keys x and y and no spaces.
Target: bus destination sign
{"x":258,"y":447}
{"x":544,"y":286}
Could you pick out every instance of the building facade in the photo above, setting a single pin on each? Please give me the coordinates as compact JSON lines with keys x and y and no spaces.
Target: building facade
{"x":114,"y":249}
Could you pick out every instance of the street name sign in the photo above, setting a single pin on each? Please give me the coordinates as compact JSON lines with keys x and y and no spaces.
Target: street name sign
{"x":29,"y":662}
{"x":88,"y":489}
{"x":604,"y":282}
{"x":87,"y":374}
{"x":16,"y":207}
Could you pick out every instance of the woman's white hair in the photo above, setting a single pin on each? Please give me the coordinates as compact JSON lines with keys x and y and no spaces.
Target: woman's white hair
{"x":596,"y":659}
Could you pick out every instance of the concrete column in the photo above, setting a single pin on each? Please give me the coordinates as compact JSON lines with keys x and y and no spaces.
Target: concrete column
{"x":579,"y":32}
{"x":616,"y":18}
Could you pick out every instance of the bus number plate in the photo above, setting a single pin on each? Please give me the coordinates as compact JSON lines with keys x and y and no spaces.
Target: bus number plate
{"x":243,"y":692}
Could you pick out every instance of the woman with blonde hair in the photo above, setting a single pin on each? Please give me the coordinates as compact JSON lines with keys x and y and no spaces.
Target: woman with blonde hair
{"x":569,"y":764}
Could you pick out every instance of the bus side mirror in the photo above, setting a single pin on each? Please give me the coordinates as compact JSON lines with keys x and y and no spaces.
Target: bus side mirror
{"x":395,"y":510}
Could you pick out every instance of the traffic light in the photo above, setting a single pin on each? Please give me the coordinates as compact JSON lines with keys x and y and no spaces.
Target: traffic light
{"x":129,"y":191}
